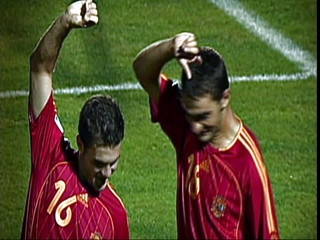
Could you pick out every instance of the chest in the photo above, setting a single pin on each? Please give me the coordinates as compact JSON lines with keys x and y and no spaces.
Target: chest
{"x":213,"y":172}
{"x":66,"y":210}
{"x":212,"y":179}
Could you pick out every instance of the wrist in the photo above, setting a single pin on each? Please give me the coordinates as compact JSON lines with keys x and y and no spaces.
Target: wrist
{"x":63,"y":20}
{"x":66,"y":20}
{"x":167,"y":48}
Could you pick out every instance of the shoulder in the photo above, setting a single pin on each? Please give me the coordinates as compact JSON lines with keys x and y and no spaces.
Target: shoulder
{"x":254,"y":155}
{"x":70,"y":153}
{"x":168,"y":83}
{"x":249,"y":139}
{"x":248,"y":147}
{"x":46,"y":127}
{"x":111,"y":195}
{"x":111,"y":190}
{"x":62,"y":170}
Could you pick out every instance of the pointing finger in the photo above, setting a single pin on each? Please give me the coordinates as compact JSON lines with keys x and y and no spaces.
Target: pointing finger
{"x":184,"y":63}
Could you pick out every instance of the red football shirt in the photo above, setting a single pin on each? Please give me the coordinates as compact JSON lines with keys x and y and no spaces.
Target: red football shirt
{"x":59,"y":205}
{"x":222,"y":193}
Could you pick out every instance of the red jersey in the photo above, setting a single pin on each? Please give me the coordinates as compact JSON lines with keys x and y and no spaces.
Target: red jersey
{"x":59,"y":205}
{"x":221,"y":193}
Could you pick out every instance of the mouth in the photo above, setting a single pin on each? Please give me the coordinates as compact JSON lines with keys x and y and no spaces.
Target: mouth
{"x":206,"y":131}
{"x":99,"y":182}
{"x":208,"y":134}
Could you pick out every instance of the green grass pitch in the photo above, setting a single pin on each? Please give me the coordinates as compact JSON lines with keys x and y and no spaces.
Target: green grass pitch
{"x":281,"y":113}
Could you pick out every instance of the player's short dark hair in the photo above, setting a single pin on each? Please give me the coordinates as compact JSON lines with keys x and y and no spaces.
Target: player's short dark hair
{"x":210,"y":77}
{"x":101,"y":122}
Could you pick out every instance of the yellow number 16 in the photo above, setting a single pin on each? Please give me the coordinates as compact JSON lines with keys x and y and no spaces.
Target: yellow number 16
{"x":61,"y":186}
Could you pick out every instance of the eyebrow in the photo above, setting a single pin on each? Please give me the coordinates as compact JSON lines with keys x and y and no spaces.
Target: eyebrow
{"x":99,"y":161}
{"x":198,"y":115}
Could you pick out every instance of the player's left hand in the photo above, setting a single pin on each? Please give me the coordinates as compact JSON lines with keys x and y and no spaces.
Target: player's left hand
{"x":82,"y":14}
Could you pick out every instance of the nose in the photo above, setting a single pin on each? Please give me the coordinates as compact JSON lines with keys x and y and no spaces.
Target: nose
{"x":196,"y":127}
{"x":106,"y":171}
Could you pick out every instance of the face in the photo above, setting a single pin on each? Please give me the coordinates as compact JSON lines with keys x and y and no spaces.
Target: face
{"x":97,"y":164}
{"x":205,"y":116}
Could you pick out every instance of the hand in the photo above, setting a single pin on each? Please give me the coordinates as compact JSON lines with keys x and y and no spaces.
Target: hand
{"x":82,"y":14}
{"x":186,"y":50}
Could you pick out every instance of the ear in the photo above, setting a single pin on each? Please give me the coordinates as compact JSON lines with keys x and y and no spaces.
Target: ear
{"x":80,"y":144}
{"x":225,"y":98}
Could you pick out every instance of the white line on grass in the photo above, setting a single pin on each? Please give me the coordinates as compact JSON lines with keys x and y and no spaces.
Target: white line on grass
{"x":134,"y":86}
{"x":276,"y":40}
{"x":252,"y":22}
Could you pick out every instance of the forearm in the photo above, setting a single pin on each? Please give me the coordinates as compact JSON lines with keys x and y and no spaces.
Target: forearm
{"x":43,"y":60}
{"x":149,"y":63}
{"x":151,"y":59}
{"x":45,"y":55}
{"x":79,"y":14}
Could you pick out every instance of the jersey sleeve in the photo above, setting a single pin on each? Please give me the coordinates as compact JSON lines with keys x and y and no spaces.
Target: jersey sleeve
{"x":168,"y":112}
{"x":262,"y":212}
{"x":46,"y":134}
{"x":260,"y":204}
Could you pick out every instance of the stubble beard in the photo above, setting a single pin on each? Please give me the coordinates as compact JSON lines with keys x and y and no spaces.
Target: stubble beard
{"x":101,"y":187}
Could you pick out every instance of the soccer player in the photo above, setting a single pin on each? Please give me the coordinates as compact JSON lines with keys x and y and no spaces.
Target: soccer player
{"x":70,"y":196}
{"x":224,"y":191}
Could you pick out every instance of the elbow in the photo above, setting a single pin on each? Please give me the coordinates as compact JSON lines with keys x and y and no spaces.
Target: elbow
{"x":135,"y":65}
{"x":32,"y":62}
{"x":137,"y":68}
{"x":31,"y":57}
{"x":39,"y":64}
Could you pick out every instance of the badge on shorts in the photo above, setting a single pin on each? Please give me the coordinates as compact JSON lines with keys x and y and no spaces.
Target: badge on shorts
{"x":218,"y":207}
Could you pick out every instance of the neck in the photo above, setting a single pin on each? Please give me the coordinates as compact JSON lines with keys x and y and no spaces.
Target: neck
{"x":80,"y":170}
{"x":229,"y":129}
{"x":85,"y":183}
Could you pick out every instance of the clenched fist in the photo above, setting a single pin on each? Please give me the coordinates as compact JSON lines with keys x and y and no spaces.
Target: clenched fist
{"x":82,"y":14}
{"x":186,"y":50}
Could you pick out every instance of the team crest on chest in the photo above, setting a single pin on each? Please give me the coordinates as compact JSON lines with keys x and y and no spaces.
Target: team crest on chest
{"x":218,"y":207}
{"x":96,"y":236}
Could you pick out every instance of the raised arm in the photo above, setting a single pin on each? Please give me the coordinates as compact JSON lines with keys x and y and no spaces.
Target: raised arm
{"x":150,"y":61}
{"x":43,"y":59}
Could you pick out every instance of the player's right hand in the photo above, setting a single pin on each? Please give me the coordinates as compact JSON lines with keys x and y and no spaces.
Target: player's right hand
{"x":186,"y":50}
{"x":82,"y":14}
